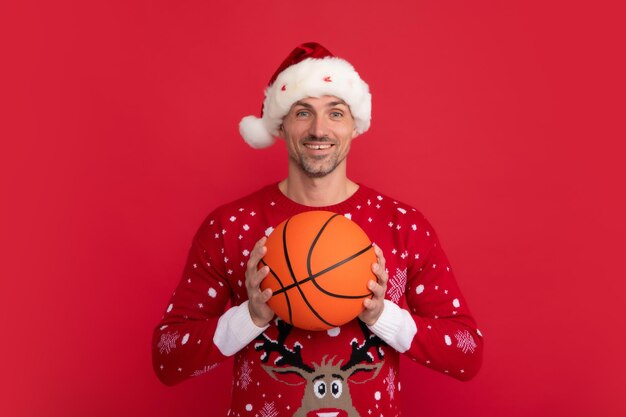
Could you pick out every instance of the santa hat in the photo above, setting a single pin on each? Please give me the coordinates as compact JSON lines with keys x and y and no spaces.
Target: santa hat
{"x":309,"y":71}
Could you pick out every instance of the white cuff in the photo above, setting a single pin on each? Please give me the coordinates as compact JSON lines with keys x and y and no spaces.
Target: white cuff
{"x":395,"y":326}
{"x":235,"y":329}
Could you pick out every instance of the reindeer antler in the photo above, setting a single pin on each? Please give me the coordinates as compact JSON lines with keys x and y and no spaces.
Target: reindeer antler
{"x":360,"y":353}
{"x":287,"y":356}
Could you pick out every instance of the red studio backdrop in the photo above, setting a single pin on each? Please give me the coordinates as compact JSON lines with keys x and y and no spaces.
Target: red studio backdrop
{"x":501,"y":121}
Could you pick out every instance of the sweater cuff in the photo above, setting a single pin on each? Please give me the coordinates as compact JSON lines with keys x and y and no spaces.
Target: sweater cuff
{"x":395,"y":326}
{"x":235,"y":329}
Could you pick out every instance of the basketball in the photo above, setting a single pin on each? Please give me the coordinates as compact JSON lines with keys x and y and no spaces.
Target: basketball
{"x":320,"y":263}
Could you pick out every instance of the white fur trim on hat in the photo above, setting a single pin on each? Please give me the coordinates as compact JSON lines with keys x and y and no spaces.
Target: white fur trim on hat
{"x":312,"y":77}
{"x":254,"y":132}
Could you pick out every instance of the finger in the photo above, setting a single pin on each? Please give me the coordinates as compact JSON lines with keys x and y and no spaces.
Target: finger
{"x":381,"y":274}
{"x":260,"y":297}
{"x":376,"y":289}
{"x":380,"y":258}
{"x":260,"y":243}
{"x":254,"y":277}
{"x":266,"y":295}
{"x":258,"y":251}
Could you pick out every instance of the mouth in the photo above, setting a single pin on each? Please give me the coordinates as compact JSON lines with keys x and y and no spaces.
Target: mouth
{"x":318,"y":146}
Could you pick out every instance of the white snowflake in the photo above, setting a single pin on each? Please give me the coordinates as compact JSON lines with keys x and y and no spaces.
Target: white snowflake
{"x":465,"y":341}
{"x":168,"y":342}
{"x":244,"y":375}
{"x":268,"y":410}
{"x":397,"y":285}
{"x":390,"y":380}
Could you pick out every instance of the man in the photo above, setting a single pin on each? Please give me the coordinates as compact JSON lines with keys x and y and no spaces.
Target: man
{"x":318,"y":104}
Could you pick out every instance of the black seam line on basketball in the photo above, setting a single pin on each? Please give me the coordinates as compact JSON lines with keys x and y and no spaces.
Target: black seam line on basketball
{"x":293,"y":277}
{"x":281,"y":286}
{"x":319,"y":233}
{"x":286,"y":253}
{"x":312,"y":309}
{"x":310,"y":271}
{"x":314,"y":276}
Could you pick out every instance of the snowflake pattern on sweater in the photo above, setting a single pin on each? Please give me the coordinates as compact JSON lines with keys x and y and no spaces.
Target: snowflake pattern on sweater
{"x":286,"y":371}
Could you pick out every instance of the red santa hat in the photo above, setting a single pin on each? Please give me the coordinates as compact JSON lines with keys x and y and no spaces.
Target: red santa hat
{"x":309,"y":71}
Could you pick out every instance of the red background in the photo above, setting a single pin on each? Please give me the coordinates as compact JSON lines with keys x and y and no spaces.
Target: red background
{"x":501,"y":121}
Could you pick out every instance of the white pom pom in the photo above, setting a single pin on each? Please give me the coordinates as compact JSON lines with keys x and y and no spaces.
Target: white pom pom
{"x":253,"y":131}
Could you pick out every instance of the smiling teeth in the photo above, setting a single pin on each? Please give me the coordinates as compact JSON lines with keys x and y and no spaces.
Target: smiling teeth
{"x":318,"y":147}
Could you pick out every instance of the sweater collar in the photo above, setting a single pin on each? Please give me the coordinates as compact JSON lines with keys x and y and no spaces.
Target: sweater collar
{"x":359,"y":197}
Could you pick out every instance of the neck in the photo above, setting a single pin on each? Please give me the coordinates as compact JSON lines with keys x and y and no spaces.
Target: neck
{"x":329,"y":190}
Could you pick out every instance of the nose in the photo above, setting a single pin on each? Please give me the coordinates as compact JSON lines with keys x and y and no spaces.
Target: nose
{"x":318,"y":127}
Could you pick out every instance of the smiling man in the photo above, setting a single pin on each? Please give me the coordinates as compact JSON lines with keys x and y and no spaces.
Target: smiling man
{"x":318,"y":104}
{"x":318,"y":132}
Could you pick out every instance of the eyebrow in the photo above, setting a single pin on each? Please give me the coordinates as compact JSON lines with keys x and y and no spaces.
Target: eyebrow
{"x":331,"y":104}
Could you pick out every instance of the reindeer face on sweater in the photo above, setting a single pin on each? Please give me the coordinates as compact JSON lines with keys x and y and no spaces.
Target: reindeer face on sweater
{"x":327,"y":389}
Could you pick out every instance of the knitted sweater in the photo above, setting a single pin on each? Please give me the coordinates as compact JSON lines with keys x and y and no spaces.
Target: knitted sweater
{"x":280,"y":370}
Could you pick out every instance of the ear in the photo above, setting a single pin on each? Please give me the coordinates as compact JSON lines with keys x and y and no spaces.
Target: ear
{"x":354,"y":133}
{"x":281,"y":131}
{"x":360,"y":374}
{"x":289,"y":375}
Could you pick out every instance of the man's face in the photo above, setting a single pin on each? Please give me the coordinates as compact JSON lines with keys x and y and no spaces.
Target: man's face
{"x":318,"y":132}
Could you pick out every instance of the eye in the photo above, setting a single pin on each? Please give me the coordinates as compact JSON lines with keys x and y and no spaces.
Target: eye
{"x":336,"y":115}
{"x":336,"y":387}
{"x":303,"y":113}
{"x":320,"y":389}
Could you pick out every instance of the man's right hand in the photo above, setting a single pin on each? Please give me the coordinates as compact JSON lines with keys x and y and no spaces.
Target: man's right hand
{"x":260,"y":312}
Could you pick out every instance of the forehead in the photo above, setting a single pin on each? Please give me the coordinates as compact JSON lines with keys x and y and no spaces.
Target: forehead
{"x":320,"y":102}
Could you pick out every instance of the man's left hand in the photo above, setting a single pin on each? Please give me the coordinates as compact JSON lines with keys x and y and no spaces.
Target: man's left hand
{"x":374,"y":306}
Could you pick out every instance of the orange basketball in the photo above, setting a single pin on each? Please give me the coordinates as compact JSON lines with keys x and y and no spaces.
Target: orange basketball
{"x":320,"y":263}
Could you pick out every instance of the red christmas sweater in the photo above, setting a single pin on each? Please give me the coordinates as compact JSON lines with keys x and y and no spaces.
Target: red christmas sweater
{"x":352,"y":370}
